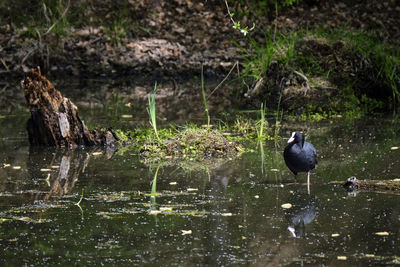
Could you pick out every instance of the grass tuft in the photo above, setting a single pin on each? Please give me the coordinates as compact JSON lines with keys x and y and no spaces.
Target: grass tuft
{"x":152,"y":111}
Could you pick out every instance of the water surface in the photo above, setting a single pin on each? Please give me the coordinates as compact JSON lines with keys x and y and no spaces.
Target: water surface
{"x":225,"y":213}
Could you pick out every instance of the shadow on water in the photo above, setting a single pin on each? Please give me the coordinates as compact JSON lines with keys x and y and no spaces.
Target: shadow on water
{"x":227,"y":213}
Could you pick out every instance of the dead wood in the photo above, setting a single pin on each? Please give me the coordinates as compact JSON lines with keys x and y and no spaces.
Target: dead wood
{"x":353,"y":184}
{"x":54,"y":119}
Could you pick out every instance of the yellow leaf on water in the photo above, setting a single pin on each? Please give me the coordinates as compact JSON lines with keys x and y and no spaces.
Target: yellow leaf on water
{"x":382,"y":233}
{"x":227,"y":214}
{"x":342,"y":258}
{"x":369,"y":255}
{"x":25,"y":219}
{"x":186,"y":232}
{"x":256,"y":196}
{"x":173,"y":183}
{"x":154,"y":212}
{"x":55,"y":166}
{"x":5,"y":165}
{"x":16,"y":167}
{"x":274,"y":170}
{"x":128,"y":105}
{"x":45,"y":170}
{"x":394,"y":148}
{"x":127,"y":116}
{"x":165,"y":208}
{"x":286,"y":206}
{"x":97,"y":153}
{"x":192,"y":189}
{"x":335,"y":235}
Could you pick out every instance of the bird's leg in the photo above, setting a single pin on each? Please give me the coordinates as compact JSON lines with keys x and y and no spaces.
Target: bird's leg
{"x":308,"y":182}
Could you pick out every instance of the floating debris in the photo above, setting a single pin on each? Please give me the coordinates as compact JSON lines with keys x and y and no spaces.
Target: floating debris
{"x":173,"y":183}
{"x":286,"y":206}
{"x":342,"y":258}
{"x":227,"y":214}
{"x":186,"y":232}
{"x":166,"y":209}
{"x":6,"y":165}
{"x":382,"y":233}
{"x":45,"y":170}
{"x":127,"y":116}
{"x":55,"y":166}
{"x":25,"y":219}
{"x":335,"y":235}
{"x":256,"y":196}
{"x":192,"y":189}
{"x":274,"y":170}
{"x":97,"y":153}
{"x":369,"y":255}
{"x":16,"y":167}
{"x":154,"y":212}
{"x":394,"y":148}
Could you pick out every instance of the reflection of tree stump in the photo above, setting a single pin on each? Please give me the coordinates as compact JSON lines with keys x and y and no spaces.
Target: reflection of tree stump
{"x":54,"y":119}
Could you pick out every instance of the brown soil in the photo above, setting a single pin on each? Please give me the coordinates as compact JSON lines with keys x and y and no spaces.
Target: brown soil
{"x":179,"y":36}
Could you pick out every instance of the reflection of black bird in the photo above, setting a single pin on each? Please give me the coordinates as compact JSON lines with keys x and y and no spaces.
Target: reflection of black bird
{"x":302,"y":213}
{"x":299,"y":155}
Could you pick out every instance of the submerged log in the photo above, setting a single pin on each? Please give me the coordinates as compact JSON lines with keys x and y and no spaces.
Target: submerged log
{"x":54,"y":119}
{"x":353,"y":184}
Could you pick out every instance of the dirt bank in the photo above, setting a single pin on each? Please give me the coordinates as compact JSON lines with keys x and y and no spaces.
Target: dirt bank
{"x":166,"y":37}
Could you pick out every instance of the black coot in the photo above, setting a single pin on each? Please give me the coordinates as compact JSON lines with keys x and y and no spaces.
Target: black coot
{"x":299,"y":155}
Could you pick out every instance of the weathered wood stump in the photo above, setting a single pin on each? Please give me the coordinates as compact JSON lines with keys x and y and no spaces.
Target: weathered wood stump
{"x":54,"y":119}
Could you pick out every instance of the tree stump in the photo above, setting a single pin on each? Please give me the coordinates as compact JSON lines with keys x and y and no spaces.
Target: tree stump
{"x":54,"y":119}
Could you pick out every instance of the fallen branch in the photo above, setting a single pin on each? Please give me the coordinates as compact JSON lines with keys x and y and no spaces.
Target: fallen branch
{"x":353,"y":184}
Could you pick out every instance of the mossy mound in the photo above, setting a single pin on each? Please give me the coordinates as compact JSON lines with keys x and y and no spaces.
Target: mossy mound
{"x":191,"y":142}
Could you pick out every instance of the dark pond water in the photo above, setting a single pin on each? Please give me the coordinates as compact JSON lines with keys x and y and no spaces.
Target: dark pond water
{"x":230,"y":212}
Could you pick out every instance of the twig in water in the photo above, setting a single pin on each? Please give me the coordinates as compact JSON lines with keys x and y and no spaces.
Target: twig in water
{"x":226,"y":77}
{"x":80,"y":200}
{"x":79,"y":203}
